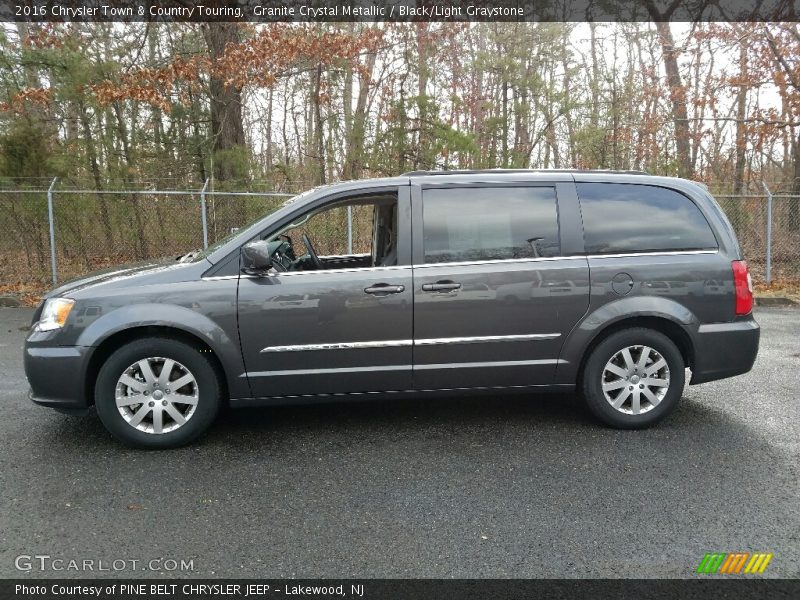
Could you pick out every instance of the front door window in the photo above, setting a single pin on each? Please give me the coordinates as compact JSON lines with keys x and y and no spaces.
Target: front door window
{"x":362,"y":232}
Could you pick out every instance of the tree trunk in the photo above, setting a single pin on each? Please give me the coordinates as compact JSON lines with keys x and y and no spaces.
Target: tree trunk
{"x":794,"y":203}
{"x":423,"y":159}
{"x":677,"y":90}
{"x":268,"y":157}
{"x":319,"y":134}
{"x":504,"y":126}
{"x":91,"y":153}
{"x":227,"y":127}
{"x":594,"y":85}
{"x":197,"y":138}
{"x":141,"y":239}
{"x":567,"y":87}
{"x":158,"y":125}
{"x":677,"y":96}
{"x":478,"y":103}
{"x":741,"y":129}
{"x":354,"y":161}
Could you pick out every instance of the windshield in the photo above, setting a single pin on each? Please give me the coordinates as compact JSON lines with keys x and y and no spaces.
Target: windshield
{"x":201,"y":254}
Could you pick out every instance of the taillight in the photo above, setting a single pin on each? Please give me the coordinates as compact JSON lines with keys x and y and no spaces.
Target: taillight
{"x":743,"y":285}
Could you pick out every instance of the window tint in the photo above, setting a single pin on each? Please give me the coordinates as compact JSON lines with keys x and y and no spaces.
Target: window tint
{"x":469,"y":224}
{"x":641,"y":218}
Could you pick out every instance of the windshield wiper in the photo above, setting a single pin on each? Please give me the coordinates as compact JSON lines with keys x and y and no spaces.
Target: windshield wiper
{"x":188,"y":256}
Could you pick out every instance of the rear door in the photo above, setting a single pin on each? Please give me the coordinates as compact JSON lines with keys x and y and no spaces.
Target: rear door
{"x":497,"y":283}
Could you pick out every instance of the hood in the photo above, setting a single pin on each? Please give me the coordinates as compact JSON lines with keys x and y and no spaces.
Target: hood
{"x":142,"y":273}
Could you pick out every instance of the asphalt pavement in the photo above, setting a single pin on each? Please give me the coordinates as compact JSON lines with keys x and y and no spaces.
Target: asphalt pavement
{"x":516,"y":486}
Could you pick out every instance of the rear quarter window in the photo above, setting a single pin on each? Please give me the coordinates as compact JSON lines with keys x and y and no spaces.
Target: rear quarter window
{"x":623,"y":218}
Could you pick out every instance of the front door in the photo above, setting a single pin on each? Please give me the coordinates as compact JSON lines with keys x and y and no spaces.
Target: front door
{"x":334,"y":328}
{"x":494,"y":297}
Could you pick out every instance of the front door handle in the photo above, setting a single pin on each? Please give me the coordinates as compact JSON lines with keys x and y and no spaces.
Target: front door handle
{"x":383,"y":289}
{"x":441,"y":286}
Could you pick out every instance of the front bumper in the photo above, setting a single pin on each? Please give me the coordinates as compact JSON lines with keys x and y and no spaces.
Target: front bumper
{"x":725,"y":350}
{"x":57,"y":376}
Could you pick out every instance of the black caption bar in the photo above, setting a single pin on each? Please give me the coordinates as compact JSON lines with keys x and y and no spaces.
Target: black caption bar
{"x":396,"y":10}
{"x":412,"y":589}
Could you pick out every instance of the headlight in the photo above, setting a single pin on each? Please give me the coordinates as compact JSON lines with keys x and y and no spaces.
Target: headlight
{"x":55,"y":313}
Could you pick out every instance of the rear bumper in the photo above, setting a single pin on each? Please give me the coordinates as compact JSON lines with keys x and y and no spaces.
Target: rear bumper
{"x":725,"y":350}
{"x":57,"y":375}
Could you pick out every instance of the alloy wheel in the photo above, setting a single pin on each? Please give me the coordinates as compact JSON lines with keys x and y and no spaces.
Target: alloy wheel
{"x":635,"y":380}
{"x":156,"y":395}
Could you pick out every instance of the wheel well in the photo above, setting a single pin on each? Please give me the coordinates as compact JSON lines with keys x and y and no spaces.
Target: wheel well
{"x":119,"y":339}
{"x":669,"y":328}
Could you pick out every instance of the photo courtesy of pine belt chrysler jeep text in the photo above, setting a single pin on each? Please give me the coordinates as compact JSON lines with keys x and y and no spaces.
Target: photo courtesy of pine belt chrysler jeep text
{"x":610,"y":284}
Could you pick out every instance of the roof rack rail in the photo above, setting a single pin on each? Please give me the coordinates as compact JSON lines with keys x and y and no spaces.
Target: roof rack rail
{"x":489,"y":171}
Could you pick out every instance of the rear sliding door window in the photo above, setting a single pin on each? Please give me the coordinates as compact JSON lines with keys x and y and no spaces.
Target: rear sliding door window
{"x":489,"y":223}
{"x":620,"y":218}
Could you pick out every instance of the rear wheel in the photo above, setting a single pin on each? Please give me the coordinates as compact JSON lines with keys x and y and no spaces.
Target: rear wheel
{"x":634,"y":378}
{"x":157,"y":393}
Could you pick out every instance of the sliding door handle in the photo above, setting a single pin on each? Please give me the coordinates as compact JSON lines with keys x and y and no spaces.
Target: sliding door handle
{"x":383,"y":289}
{"x":441,"y":286}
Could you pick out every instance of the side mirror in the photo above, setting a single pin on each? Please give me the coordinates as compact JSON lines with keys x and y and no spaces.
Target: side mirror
{"x":255,"y":258}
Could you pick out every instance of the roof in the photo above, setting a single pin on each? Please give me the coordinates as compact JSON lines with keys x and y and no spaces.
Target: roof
{"x":521,"y":171}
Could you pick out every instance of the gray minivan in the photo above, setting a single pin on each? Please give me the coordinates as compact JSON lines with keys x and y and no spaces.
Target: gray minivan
{"x":608,"y":283}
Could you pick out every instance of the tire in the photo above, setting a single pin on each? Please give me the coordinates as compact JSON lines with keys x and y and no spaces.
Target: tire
{"x":135,"y":404}
{"x":624,"y":379}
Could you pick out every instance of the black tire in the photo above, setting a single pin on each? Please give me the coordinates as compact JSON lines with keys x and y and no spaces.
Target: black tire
{"x":209,"y":392}
{"x":593,"y":377}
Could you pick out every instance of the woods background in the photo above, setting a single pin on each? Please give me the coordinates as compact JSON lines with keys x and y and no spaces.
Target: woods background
{"x":282,"y":107}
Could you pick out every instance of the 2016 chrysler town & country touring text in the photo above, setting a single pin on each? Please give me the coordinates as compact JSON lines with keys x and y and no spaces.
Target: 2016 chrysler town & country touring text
{"x":611,"y":284}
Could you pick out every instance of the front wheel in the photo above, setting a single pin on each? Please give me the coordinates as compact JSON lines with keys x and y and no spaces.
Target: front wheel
{"x":157,"y":393}
{"x":634,"y":378}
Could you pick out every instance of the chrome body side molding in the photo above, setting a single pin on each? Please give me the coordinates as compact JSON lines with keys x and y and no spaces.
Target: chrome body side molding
{"x":426,"y":367}
{"x":422,"y":342}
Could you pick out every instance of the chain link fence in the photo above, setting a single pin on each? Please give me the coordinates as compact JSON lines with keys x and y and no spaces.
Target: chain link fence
{"x":93,"y":230}
{"x":56,"y":235}
{"x":768,"y":228}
